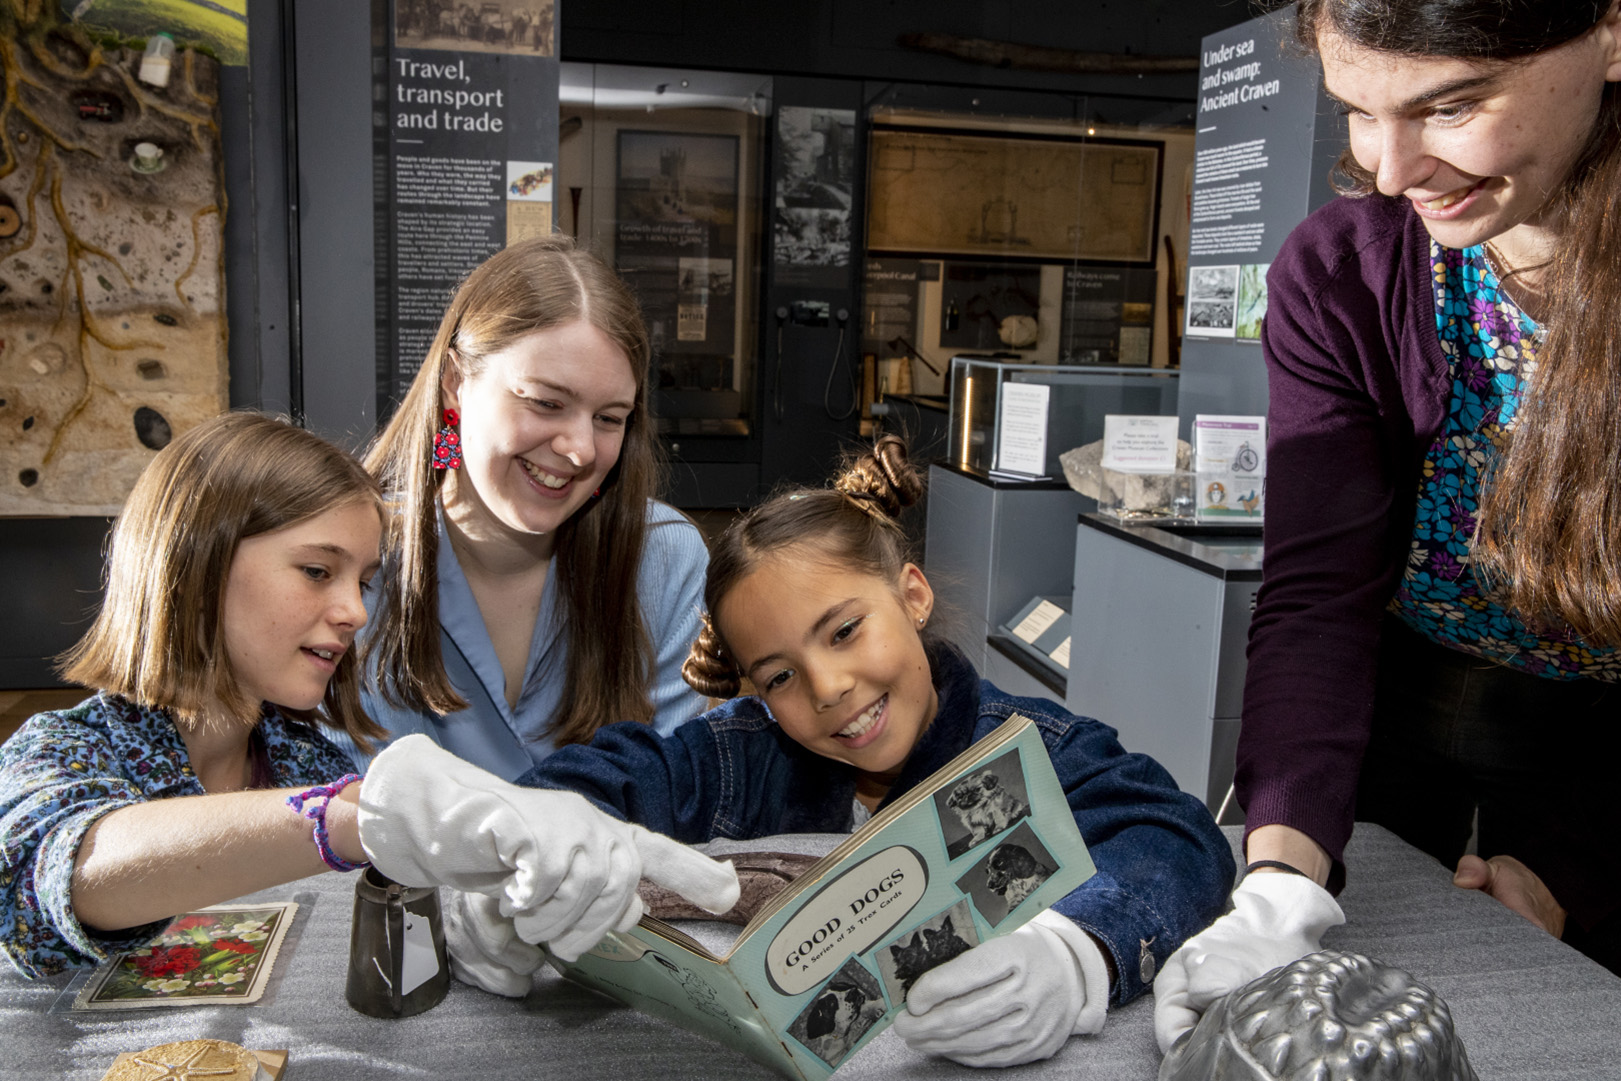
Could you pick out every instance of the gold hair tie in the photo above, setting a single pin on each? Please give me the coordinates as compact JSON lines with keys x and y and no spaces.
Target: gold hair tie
{"x":867,"y":503}
{"x":715,"y":648}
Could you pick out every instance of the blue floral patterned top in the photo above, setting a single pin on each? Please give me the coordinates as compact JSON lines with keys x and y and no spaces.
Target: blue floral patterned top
{"x":1490,"y":347}
{"x":61,"y":771}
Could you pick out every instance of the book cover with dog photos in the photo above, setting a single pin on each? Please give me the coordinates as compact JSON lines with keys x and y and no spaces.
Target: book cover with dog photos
{"x":973,"y":852}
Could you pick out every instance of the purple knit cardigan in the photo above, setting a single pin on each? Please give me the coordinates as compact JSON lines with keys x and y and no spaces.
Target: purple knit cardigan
{"x":1359,"y":390}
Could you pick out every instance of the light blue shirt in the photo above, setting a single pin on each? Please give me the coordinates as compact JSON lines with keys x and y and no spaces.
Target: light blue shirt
{"x":509,"y":741}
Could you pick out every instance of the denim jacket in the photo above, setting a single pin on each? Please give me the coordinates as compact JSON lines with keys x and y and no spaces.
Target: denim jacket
{"x":1163,"y":867}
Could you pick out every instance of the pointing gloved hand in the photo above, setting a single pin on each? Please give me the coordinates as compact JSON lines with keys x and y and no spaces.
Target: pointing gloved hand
{"x":484,"y":946}
{"x":566,"y":870}
{"x":1013,"y":999}
{"x":1275,"y":919}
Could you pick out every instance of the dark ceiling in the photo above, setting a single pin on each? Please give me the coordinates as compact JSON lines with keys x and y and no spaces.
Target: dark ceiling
{"x":858,"y":38}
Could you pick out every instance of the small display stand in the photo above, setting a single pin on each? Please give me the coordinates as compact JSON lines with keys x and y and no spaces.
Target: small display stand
{"x":1043,"y":629}
{"x":1040,"y":633}
{"x":1052,"y":408}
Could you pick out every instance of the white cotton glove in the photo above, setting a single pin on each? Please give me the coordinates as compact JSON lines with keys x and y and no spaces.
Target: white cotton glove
{"x":1014,"y":999}
{"x":484,"y":946}
{"x":1275,"y":919}
{"x":566,"y":870}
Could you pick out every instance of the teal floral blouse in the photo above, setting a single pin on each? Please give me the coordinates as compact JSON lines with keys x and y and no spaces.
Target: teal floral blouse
{"x":63,"y":770}
{"x":1490,"y":347}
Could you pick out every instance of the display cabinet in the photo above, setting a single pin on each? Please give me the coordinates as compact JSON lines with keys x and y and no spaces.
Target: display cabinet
{"x":1159,"y":627}
{"x":1043,"y":227}
{"x":661,"y":171}
{"x":1080,"y":396}
{"x":992,"y":547}
{"x":1155,"y":619}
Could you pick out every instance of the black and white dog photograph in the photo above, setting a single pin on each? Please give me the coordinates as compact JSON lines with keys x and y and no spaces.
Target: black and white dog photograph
{"x":924,"y":946}
{"x":1014,"y":868}
{"x":839,"y":1014}
{"x":982,"y":804}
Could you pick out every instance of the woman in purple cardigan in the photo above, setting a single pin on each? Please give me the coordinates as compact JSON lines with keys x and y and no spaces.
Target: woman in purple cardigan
{"x":1427,"y":646}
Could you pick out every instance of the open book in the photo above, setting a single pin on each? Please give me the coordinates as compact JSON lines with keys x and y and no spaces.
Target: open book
{"x":973,"y":852}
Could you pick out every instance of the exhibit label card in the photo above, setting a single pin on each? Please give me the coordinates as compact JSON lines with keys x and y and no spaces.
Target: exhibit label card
{"x":1035,"y":624}
{"x":1022,"y":445}
{"x":1139,"y":444}
{"x":1230,"y":457}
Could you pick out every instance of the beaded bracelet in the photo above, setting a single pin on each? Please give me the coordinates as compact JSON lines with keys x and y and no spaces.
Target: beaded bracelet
{"x":316,"y":812}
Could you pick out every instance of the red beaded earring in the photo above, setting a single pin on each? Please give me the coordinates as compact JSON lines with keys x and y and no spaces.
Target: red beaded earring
{"x":447,"y":443}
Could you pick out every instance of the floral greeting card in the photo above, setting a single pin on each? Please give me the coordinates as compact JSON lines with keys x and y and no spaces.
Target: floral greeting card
{"x":218,"y":956}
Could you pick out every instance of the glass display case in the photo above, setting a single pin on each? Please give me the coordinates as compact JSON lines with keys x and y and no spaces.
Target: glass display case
{"x":661,"y":172}
{"x":1045,"y":228}
{"x":1148,"y":498}
{"x":1079,"y":397}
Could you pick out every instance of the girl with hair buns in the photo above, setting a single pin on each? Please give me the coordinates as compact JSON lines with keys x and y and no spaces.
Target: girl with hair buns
{"x":815,"y":603}
{"x":1437,"y":631}
{"x":533,"y":588}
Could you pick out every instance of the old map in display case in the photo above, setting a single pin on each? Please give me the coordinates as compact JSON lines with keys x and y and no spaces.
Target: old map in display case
{"x":1042,"y":197}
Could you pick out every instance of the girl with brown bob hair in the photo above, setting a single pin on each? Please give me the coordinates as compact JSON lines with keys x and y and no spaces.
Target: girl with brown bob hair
{"x":817,"y":607}
{"x":1438,"y":627}
{"x":222,"y":648}
{"x":533,"y":588}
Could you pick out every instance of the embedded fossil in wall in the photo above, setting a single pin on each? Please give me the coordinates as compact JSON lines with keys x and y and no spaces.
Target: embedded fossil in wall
{"x":112,"y":333}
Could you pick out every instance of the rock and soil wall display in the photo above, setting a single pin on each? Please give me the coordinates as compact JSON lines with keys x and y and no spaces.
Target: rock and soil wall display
{"x":112,"y":333}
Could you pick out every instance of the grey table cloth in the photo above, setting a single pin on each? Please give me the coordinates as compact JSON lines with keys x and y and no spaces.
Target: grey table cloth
{"x":1526,"y":1006}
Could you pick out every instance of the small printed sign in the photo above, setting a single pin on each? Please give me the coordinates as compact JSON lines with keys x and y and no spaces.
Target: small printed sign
{"x":1230,"y":458}
{"x":1022,"y":445}
{"x":1035,"y":624}
{"x":1139,"y":444}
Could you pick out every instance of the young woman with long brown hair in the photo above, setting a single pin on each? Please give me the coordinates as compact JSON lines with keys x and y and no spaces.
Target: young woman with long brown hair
{"x":533,"y":588}
{"x":1437,"y":633}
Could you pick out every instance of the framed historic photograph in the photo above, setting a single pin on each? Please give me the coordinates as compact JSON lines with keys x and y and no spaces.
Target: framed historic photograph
{"x":815,"y":189}
{"x":520,"y":27}
{"x":675,"y":242}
